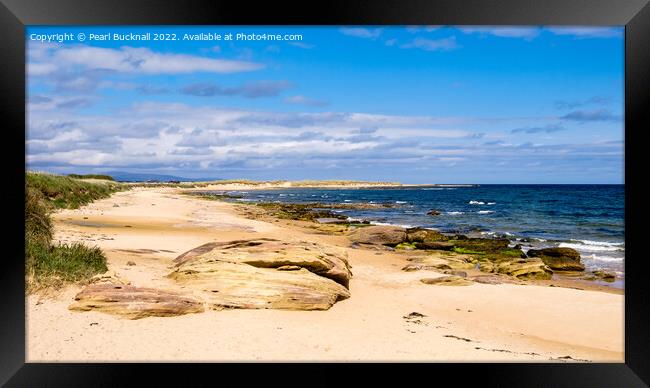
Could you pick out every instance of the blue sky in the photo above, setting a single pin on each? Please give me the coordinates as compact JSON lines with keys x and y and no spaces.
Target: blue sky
{"x":416,"y":104}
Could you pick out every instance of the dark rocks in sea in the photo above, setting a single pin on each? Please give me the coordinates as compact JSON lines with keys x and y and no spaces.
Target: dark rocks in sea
{"x":433,"y":212}
{"x":421,"y":235}
{"x":436,"y":245}
{"x":300,"y":212}
{"x":604,"y":275}
{"x":559,"y":259}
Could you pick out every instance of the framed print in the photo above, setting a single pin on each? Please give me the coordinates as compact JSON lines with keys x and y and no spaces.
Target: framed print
{"x":407,"y":187}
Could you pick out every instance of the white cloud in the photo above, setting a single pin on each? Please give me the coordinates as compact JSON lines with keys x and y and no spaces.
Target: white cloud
{"x":444,"y":44}
{"x":588,"y":32}
{"x":359,"y":32}
{"x":205,"y":140}
{"x":133,"y":60}
{"x":504,"y":32}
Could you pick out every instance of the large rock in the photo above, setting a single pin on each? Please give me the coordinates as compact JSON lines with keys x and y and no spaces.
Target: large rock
{"x":266,"y":273}
{"x":330,"y":262}
{"x":559,"y":259}
{"x":422,"y":235}
{"x":568,"y":253}
{"x":437,"y":262}
{"x":134,"y":302}
{"x":379,"y":235}
{"x":521,"y":268}
{"x":481,"y":245}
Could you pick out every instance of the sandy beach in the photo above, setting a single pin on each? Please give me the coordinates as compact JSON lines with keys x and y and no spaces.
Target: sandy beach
{"x":152,"y":226}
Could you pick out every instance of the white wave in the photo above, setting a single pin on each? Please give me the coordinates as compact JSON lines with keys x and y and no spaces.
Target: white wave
{"x":485,"y":211}
{"x":476,"y":203}
{"x":401,"y":202}
{"x":491,"y":203}
{"x":455,"y":213}
{"x":602,"y":258}
{"x":600,"y":243}
{"x":592,"y":248}
{"x":387,"y":224}
{"x":347,"y":200}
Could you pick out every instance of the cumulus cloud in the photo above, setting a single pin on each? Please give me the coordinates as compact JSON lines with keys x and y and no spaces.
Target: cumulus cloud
{"x":249,"y":90}
{"x":83,"y":68}
{"x":212,"y":141}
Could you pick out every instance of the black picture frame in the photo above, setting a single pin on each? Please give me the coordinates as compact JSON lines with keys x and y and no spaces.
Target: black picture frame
{"x":16,"y":14}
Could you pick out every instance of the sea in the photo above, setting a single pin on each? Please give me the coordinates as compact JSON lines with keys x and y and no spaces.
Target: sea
{"x":588,"y":218}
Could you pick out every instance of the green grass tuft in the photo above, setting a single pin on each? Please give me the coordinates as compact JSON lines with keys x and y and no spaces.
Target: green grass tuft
{"x":91,"y":176}
{"x":48,"y":265}
{"x":38,"y":225}
{"x":65,"y":192}
{"x":53,"y":265}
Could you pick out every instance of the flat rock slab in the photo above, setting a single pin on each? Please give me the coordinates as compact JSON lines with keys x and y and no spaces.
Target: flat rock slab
{"x":134,"y":302}
{"x":436,"y":262}
{"x":521,"y":268}
{"x":266,"y":273}
{"x":327,"y":261}
{"x":448,"y":281}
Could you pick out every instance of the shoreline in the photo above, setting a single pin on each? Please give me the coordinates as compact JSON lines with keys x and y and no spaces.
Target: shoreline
{"x":541,"y":323}
{"x":585,"y":247}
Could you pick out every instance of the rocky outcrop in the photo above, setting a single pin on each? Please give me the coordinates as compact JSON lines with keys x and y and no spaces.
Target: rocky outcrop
{"x":379,"y":235}
{"x":134,"y":302}
{"x":519,"y":268}
{"x":448,"y":281}
{"x":567,"y":253}
{"x":603,"y":275}
{"x":436,"y":262}
{"x":483,"y":245}
{"x":422,"y":235}
{"x":435,"y":245}
{"x":266,"y":273}
{"x":433,"y":212}
{"x":559,"y":259}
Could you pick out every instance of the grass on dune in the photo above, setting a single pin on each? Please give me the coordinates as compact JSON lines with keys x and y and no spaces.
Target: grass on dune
{"x":66,"y":192}
{"x":55,"y":265}
{"x":92,"y":176}
{"x":49,"y":265}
